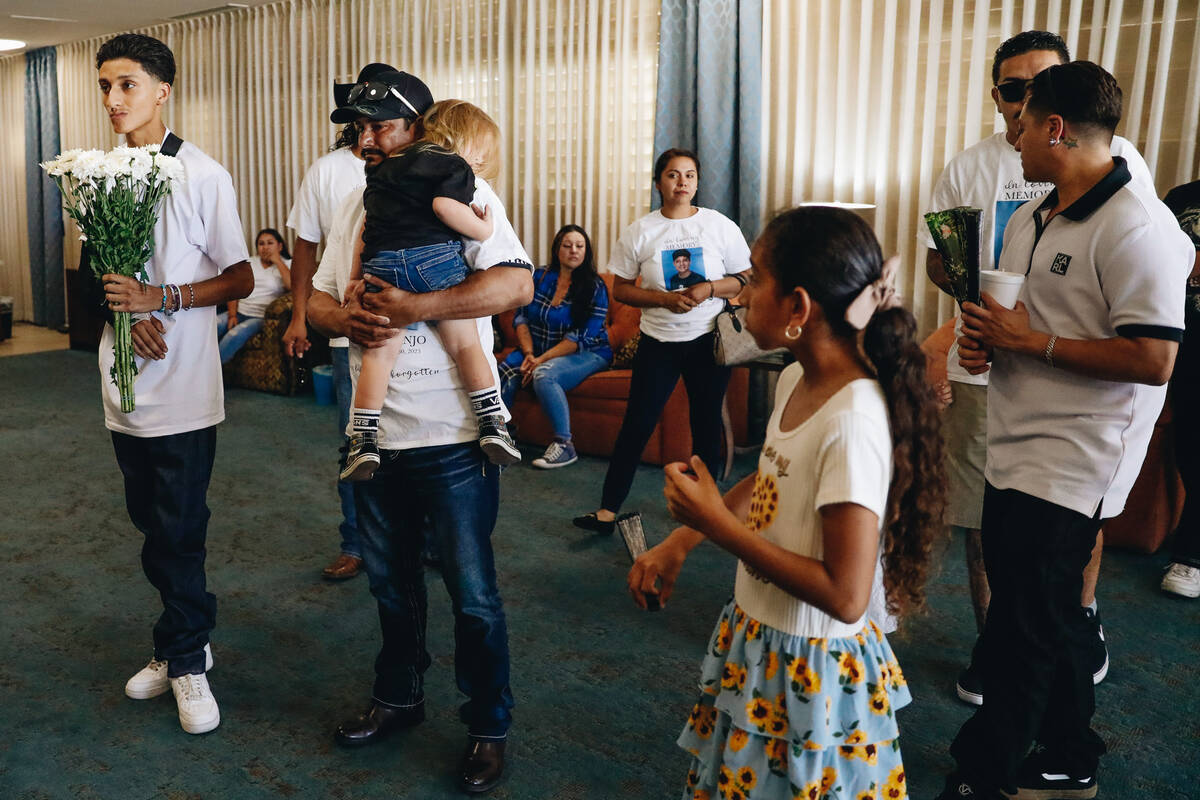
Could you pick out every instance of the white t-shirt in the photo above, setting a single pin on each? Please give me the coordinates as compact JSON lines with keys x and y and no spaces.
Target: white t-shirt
{"x":988,"y":175}
{"x":328,"y":182}
{"x":652,"y":246}
{"x":841,"y":454}
{"x":198,"y":235}
{"x":426,"y":403}
{"x":1115,"y":263}
{"x":268,"y":284}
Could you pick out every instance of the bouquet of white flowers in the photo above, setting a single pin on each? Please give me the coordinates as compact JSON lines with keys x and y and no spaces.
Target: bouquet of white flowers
{"x":114,"y":198}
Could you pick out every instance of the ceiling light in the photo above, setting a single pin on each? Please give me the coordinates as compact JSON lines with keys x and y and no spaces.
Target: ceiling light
{"x":11,"y":44}
{"x":42,"y":19}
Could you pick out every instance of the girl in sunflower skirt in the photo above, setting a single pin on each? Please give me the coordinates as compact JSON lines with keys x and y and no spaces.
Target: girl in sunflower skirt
{"x":798,"y":689}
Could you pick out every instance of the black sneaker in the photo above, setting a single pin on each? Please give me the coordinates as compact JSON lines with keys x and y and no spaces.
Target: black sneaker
{"x":1097,"y":650}
{"x":497,"y":445}
{"x":970,"y":685}
{"x":1037,"y":780}
{"x":961,"y":787}
{"x":363,"y":457}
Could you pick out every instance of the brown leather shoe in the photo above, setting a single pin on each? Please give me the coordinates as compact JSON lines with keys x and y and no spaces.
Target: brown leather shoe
{"x":344,"y":567}
{"x":376,"y":723}
{"x":482,"y":765}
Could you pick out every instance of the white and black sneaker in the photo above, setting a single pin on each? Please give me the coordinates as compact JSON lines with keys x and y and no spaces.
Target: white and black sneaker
{"x":495,"y":442}
{"x":558,"y":454}
{"x":198,"y":712}
{"x":151,"y":680}
{"x":1037,"y":781}
{"x":1097,"y":649}
{"x":362,"y":459}
{"x":970,"y":685}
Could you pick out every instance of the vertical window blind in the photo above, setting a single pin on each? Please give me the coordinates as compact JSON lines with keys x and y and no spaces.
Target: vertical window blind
{"x":570,"y":83}
{"x":867,"y":100}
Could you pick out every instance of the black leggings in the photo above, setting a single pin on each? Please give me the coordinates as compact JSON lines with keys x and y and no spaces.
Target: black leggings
{"x":657,"y":368}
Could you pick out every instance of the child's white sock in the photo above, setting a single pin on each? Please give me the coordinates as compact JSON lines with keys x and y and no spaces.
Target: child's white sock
{"x":485,"y":402}
{"x":364,"y":420}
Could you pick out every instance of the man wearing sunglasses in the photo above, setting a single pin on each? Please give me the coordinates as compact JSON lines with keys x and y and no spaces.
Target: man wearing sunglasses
{"x":432,"y":472}
{"x":988,"y":175}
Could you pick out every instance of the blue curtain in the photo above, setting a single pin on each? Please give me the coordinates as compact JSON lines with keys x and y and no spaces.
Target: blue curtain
{"x":43,"y":200}
{"x":710,"y":99}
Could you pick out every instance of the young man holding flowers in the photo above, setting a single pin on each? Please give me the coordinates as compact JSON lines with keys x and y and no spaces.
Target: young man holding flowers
{"x":165,"y":447}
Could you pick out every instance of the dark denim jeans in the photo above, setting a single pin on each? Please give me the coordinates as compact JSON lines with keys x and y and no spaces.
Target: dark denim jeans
{"x":166,"y":485}
{"x":343,"y":390}
{"x":459,"y":491}
{"x":1185,"y":394}
{"x":430,"y":268}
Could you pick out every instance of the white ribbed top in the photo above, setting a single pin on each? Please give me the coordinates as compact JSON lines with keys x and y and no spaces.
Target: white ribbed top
{"x":841,"y":454}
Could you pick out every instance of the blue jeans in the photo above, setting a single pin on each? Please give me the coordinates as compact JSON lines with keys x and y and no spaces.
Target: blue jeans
{"x":233,"y":340}
{"x":459,"y":491}
{"x":551,"y":382}
{"x":344,"y":392}
{"x":166,"y":488}
{"x":419,"y":269}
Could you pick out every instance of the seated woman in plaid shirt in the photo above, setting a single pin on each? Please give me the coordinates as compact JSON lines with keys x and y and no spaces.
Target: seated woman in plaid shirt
{"x":562,"y":337}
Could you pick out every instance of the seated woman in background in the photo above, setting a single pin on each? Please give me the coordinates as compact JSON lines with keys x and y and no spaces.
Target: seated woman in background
{"x":561,"y":337}
{"x":272,"y":277}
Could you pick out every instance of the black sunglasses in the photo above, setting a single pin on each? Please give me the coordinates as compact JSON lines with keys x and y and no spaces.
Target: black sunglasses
{"x":373,"y":92}
{"x":1013,"y":91}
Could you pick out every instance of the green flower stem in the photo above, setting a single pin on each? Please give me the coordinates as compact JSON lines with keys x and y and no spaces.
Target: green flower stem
{"x":123,"y":369}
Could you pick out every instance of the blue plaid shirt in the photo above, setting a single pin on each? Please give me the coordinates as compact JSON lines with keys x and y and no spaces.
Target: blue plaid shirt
{"x":549,"y":325}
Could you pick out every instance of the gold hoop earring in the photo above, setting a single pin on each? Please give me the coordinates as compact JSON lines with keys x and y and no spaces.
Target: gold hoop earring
{"x":787,"y":333}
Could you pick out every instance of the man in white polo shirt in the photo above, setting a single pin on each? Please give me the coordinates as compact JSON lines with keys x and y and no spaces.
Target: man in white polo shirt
{"x":166,"y":445}
{"x":1077,"y":382}
{"x":988,"y":176}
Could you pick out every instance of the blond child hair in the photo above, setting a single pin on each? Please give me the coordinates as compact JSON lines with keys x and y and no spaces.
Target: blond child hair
{"x":466,"y":129}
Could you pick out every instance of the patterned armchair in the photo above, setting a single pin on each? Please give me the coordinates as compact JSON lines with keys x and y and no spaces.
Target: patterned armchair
{"x":261,"y":364}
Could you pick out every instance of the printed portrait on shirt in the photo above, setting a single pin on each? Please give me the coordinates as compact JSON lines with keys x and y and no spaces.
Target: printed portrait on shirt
{"x":683,"y":267}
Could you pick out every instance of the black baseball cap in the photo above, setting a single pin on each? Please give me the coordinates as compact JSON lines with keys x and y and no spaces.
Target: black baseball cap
{"x":381,"y":92}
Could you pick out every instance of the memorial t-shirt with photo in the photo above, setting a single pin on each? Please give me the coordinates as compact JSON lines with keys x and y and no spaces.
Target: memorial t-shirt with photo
{"x":673,"y":254}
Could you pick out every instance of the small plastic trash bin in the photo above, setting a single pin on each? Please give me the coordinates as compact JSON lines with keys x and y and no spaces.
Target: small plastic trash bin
{"x":322,"y":381}
{"x":6,"y":314}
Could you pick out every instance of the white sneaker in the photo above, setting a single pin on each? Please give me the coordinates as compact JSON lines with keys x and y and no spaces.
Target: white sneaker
{"x":1182,"y":580}
{"x":151,"y":680}
{"x":198,"y":712}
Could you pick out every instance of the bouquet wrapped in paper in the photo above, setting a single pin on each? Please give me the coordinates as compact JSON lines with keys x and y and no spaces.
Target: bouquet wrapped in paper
{"x":114,"y":198}
{"x":956,"y":234}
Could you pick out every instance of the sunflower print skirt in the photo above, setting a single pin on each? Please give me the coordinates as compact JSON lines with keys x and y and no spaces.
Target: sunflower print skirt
{"x":783,"y":716}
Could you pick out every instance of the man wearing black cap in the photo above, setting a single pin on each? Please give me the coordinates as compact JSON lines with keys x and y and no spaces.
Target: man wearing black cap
{"x":431,"y":467}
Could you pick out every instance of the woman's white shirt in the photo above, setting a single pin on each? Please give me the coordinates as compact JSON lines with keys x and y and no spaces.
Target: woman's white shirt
{"x":648,"y":249}
{"x":268,"y":284}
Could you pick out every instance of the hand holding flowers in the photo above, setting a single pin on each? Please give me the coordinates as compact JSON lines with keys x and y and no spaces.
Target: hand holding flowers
{"x":114,"y":198}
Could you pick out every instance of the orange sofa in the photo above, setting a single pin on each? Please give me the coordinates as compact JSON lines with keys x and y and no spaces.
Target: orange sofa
{"x":598,"y":404}
{"x":1156,"y":500}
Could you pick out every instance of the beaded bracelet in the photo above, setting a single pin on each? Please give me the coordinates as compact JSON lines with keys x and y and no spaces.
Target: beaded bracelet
{"x":162,"y":308}
{"x":191,"y":296}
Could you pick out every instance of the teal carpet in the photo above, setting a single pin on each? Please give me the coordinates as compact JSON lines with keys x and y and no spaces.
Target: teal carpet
{"x":602,"y":688}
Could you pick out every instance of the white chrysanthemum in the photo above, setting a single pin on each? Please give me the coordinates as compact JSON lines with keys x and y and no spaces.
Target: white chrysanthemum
{"x":62,"y":165}
{"x":87,"y":167}
{"x":170,"y":169}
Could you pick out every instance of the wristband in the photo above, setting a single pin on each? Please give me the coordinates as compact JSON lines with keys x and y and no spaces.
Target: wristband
{"x":712,"y":290}
{"x":1048,"y":353}
{"x":162,"y":308}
